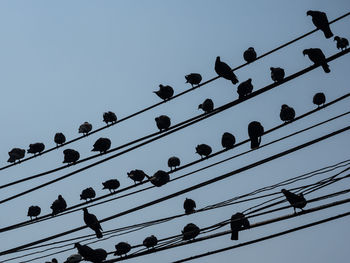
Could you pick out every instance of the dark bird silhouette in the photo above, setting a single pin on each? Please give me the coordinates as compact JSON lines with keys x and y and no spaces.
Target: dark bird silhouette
{"x":16,"y":154}
{"x":87,"y":193}
{"x":319,"y":99}
{"x":100,"y":255}
{"x":190,"y":231}
{"x":228,"y":140}
{"x":94,"y":255}
{"x":111,"y":185}
{"x":137,"y":175}
{"x":59,"y":205}
{"x":249,"y":55}
{"x":59,"y":138}
{"x":85,"y":128}
{"x":245,"y":88}
{"x":150,"y":241}
{"x":160,"y":178}
{"x":342,"y":43}
{"x":255,"y":131}
{"x":320,"y":21}
{"x":102,"y":145}
{"x":297,"y":201}
{"x":189,"y":206}
{"x":109,"y":117}
{"x":316,"y":55}
{"x":277,"y":74}
{"x":238,"y":221}
{"x":207,"y":106}
{"x":173,"y":162}
{"x":35,"y":148}
{"x":287,"y":113}
{"x":163,"y":122}
{"x":75,"y":258}
{"x":122,"y":248}
{"x":70,"y":156}
{"x":34,"y":211}
{"x":193,"y":78}
{"x":52,"y":261}
{"x":164,"y":92}
{"x":224,"y":70}
{"x":92,"y":222}
{"x":203,"y":150}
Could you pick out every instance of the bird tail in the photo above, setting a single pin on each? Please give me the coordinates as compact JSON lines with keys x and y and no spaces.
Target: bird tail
{"x":326,"y":68}
{"x":234,"y":235}
{"x":98,"y":233}
{"x":328,"y":33}
{"x":254,"y":143}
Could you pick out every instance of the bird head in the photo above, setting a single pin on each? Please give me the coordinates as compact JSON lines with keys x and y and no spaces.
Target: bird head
{"x":187,"y":77}
{"x":284,"y":106}
{"x":250,"y":48}
{"x":249,"y":80}
{"x":283,"y":190}
{"x":309,"y":13}
{"x":200,"y":106}
{"x":60,"y":197}
{"x":85,"y":210}
{"x":76,"y":245}
{"x":336,"y":38}
{"x":272,"y":68}
{"x":161,"y":86}
{"x":218,"y":59}
{"x":156,"y":119}
{"x":305,"y":52}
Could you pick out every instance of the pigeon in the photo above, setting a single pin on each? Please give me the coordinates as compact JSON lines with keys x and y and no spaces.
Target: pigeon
{"x":245,"y":88}
{"x":287,"y":113}
{"x":207,"y":106}
{"x":35,"y":148}
{"x":109,"y":117}
{"x":319,"y":99}
{"x":111,"y":185}
{"x":70,"y":156}
{"x":224,"y":70}
{"x":58,"y":206}
{"x":297,"y":201}
{"x":203,"y":150}
{"x":16,"y":154}
{"x":89,"y":254}
{"x":163,"y":122}
{"x":321,"y":22}
{"x":92,"y":222}
{"x":34,"y":211}
{"x":193,"y":79}
{"x":255,"y":131}
{"x":277,"y":74}
{"x":249,"y":55}
{"x":52,"y":261}
{"x":137,"y":175}
{"x":316,"y":55}
{"x":189,"y":206}
{"x":173,"y":162}
{"x":238,"y":221}
{"x":342,"y":43}
{"x":190,"y":231}
{"x":85,"y":128}
{"x":228,"y":140}
{"x":160,"y":178}
{"x":102,"y":145}
{"x":59,"y":138}
{"x":122,"y":248}
{"x":164,"y":92}
{"x":150,"y":241}
{"x":75,"y":258}
{"x":88,"y":193}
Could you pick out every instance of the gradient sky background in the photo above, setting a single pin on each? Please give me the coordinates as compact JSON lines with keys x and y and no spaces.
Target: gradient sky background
{"x":66,"y":62}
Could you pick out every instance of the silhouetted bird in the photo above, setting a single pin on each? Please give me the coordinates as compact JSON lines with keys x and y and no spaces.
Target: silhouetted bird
{"x":203,"y":150}
{"x":224,"y":70}
{"x":319,"y":99}
{"x":92,"y":222}
{"x":150,"y":241}
{"x":193,"y":78}
{"x":163,"y":122}
{"x":189,"y":206}
{"x":122,"y":248}
{"x":35,"y":148}
{"x":164,"y":92}
{"x":160,"y":178}
{"x":102,"y":145}
{"x":228,"y":140}
{"x":190,"y":231}
{"x":249,"y":55}
{"x":89,"y":254}
{"x":111,"y":185}
{"x":75,"y":258}
{"x":34,"y":211}
{"x":85,"y":128}
{"x":59,"y":138}
{"x":316,"y":55}
{"x":342,"y":42}
{"x":238,"y":221}
{"x":255,"y":131}
{"x":16,"y":154}
{"x":277,"y":74}
{"x":87,"y":193}
{"x":109,"y":117}
{"x":245,"y":88}
{"x":100,"y":255}
{"x":173,"y":162}
{"x":207,"y":106}
{"x":297,"y":201}
{"x":59,"y":205}
{"x":321,"y":22}
{"x":137,"y":175}
{"x":287,"y":113}
{"x":52,"y":261}
{"x":70,"y":156}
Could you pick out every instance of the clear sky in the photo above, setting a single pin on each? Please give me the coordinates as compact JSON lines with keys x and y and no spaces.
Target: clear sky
{"x":66,"y":62}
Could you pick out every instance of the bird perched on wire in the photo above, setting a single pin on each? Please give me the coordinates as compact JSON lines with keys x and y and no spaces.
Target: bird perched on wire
{"x":173,"y":162}
{"x":160,"y":178}
{"x":35,"y":148}
{"x":207,"y":106}
{"x":70,"y":156}
{"x":287,"y":113}
{"x":189,"y":206}
{"x":137,"y":175}
{"x":75,"y":258}
{"x":249,"y":55}
{"x":34,"y":211}
{"x":164,"y":92}
{"x":203,"y":150}
{"x":109,"y":117}
{"x":88,"y":193}
{"x":193,"y":79}
{"x":59,"y":205}
{"x":190,"y":231}
{"x":316,"y":55}
{"x":320,"y":20}
{"x":238,"y":222}
{"x":16,"y":154}
{"x":224,"y":71}
{"x":150,"y":241}
{"x":297,"y":201}
{"x":255,"y":131}
{"x":94,"y":255}
{"x":245,"y":88}
{"x":102,"y":145}
{"x":59,"y":138}
{"x":277,"y":74}
{"x":163,"y":122}
{"x":85,"y":128}
{"x":122,"y":248}
{"x":342,"y":43}
{"x":92,"y":222}
{"x":228,"y":140}
{"x":319,"y":99}
{"x":111,"y":185}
